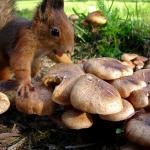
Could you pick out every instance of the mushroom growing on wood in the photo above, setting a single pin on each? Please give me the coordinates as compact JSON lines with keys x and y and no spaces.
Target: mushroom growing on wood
{"x":140,"y":98}
{"x":125,"y":113}
{"x":64,"y":77}
{"x":126,"y":85}
{"x":38,"y":102}
{"x":74,"y":119}
{"x":107,"y":68}
{"x":137,"y":129}
{"x":93,"y":95}
{"x":4,"y":103}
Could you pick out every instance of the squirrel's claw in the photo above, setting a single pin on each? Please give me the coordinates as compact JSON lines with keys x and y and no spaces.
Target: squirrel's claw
{"x":24,"y":90}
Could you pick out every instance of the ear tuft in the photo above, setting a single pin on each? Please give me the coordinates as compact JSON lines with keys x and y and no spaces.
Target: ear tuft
{"x":43,"y":6}
{"x":56,"y":4}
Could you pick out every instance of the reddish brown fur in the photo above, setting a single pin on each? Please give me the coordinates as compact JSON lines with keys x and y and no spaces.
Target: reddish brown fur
{"x":23,"y":42}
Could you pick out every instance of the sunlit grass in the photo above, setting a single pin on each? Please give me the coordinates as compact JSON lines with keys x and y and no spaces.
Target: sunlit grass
{"x":27,"y":7}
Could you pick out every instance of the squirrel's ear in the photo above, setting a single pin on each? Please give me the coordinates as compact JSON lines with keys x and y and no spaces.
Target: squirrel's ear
{"x":56,"y":4}
{"x":51,"y":4}
{"x":43,"y":5}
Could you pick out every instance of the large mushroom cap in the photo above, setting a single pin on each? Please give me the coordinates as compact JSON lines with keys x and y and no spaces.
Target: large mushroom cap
{"x":64,"y":76}
{"x":4,"y":103}
{"x":126,"y":85}
{"x":137,"y":129}
{"x":140,"y":98}
{"x":74,"y":119}
{"x":39,"y":101}
{"x":93,"y":95}
{"x":143,"y":74}
{"x":96,"y":18}
{"x":124,"y":114}
{"x":107,"y":68}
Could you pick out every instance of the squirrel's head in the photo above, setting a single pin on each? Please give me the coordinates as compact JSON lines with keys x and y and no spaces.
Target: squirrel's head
{"x":53,"y":28}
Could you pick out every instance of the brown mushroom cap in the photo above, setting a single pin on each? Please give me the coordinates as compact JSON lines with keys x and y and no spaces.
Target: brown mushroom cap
{"x":73,"y":17}
{"x":107,"y":68}
{"x":126,"y":85}
{"x":93,"y":95}
{"x":64,"y":76}
{"x":96,"y":18}
{"x":39,"y":101}
{"x":4,"y":103}
{"x":137,"y":130}
{"x":74,"y":119}
{"x":140,"y":98}
{"x":128,"y":56}
{"x":143,"y":74}
{"x":124,"y":114}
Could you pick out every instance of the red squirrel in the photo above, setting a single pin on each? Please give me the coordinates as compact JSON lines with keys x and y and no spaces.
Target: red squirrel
{"x":22,"y":42}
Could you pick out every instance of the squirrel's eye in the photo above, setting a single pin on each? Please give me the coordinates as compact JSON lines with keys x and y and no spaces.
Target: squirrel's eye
{"x":54,"y":31}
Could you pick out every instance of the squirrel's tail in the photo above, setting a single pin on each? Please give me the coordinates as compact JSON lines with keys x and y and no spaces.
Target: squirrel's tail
{"x":8,"y":85}
{"x":7,"y":12}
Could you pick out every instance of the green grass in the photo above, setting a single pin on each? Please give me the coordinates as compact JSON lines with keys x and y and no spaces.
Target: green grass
{"x":80,"y":6}
{"x":27,"y":7}
{"x":139,"y":9}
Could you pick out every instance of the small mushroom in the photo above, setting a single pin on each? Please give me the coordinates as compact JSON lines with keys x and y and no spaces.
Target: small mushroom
{"x":73,"y":18}
{"x":74,"y":119}
{"x":138,"y":64}
{"x":143,"y":74}
{"x":125,"y":113}
{"x":93,"y":95}
{"x":96,"y":18}
{"x":107,"y":68}
{"x":38,"y":102}
{"x":140,"y":98}
{"x":64,"y":77}
{"x":4,"y":103}
{"x":137,"y":129}
{"x":126,"y":85}
{"x":128,"y":56}
{"x":141,"y":58}
{"x":129,"y":64}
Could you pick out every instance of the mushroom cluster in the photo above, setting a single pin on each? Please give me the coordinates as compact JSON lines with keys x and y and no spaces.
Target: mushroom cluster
{"x":99,"y":86}
{"x":134,"y":61}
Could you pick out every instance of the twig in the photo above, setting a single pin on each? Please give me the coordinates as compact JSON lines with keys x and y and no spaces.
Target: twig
{"x":17,"y":145}
{"x":79,"y":146}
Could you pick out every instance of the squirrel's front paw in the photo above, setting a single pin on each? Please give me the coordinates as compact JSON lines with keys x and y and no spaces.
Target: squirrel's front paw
{"x":24,"y":90}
